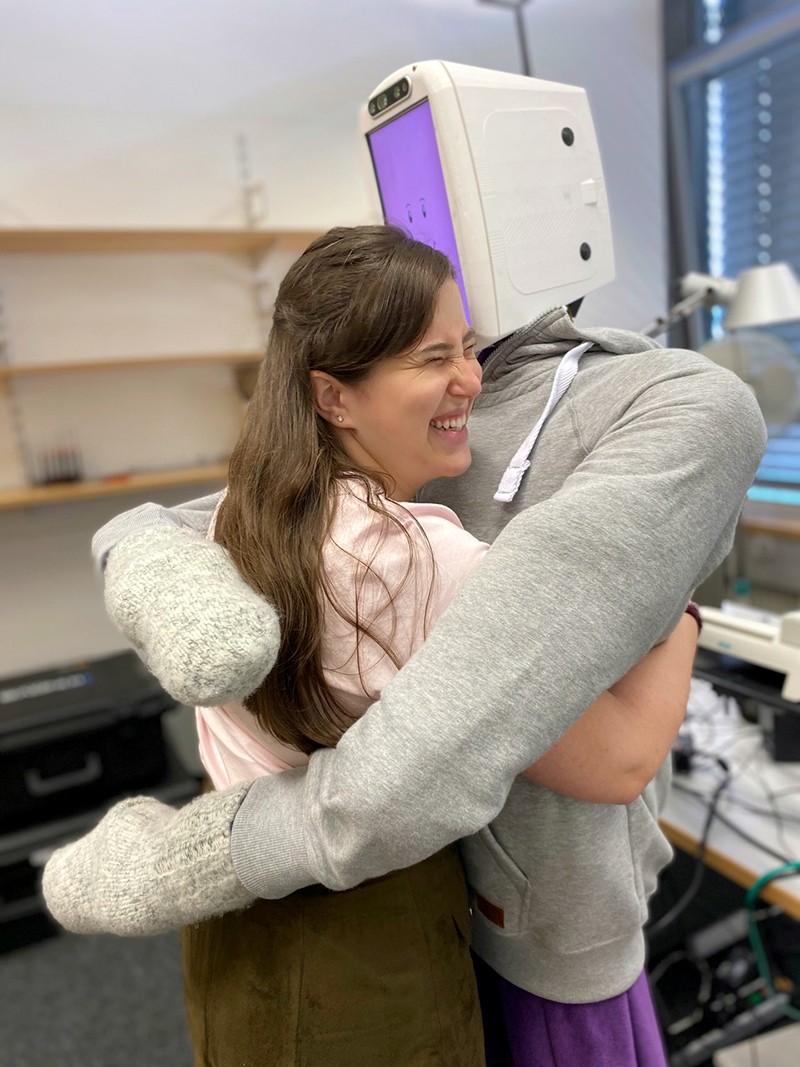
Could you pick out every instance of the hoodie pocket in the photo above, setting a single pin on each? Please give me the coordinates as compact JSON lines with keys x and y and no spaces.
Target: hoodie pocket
{"x":499,"y":891}
{"x":650,"y":850}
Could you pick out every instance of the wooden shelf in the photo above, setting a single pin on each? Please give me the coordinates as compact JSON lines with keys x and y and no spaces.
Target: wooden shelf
{"x":98,"y":241}
{"x":40,"y":495}
{"x":30,"y":370}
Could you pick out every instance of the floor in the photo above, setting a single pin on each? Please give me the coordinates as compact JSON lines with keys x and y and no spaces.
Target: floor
{"x":70,"y":1001}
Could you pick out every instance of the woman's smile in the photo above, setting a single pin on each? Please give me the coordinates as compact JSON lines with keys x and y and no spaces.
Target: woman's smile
{"x":408,"y":418}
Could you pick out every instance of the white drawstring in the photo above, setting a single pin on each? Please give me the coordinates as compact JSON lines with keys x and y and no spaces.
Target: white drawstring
{"x":565,"y":372}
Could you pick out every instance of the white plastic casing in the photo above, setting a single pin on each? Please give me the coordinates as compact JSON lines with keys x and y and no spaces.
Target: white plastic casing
{"x":527,"y":206}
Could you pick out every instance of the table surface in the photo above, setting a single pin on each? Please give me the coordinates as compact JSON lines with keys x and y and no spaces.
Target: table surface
{"x":780,"y":520}
{"x":758,"y":823}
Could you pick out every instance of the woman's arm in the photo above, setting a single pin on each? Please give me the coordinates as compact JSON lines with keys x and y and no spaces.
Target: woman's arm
{"x":616,"y":747}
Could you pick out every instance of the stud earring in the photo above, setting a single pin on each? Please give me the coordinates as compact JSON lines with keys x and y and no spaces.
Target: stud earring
{"x":340,"y":418}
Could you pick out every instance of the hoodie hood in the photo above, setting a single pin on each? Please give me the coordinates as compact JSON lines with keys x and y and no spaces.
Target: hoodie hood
{"x":553,"y":334}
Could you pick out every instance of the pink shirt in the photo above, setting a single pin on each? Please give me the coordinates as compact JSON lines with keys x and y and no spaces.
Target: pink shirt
{"x":233,"y":747}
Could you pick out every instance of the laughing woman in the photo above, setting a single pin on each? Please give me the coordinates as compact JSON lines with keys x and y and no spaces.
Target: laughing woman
{"x":364,"y":396}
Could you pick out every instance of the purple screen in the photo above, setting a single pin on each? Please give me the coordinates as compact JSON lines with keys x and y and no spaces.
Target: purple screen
{"x":411,"y":184}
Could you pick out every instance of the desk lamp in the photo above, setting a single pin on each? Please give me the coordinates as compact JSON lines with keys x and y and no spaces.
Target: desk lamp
{"x":760,"y":296}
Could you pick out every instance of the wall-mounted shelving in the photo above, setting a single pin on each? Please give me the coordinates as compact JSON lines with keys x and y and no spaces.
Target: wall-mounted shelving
{"x":98,"y":242}
{"x":251,"y":242}
{"x":32,"y":370}
{"x":36,"y":496}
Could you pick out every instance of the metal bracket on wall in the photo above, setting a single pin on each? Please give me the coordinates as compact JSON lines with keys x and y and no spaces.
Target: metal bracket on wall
{"x":253,"y":204}
{"x":9,"y":393}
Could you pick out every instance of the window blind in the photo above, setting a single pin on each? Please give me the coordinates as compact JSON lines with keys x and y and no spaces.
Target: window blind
{"x":747,"y":175}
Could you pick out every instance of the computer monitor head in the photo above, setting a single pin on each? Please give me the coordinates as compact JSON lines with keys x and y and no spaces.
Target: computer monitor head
{"x":503,"y":173}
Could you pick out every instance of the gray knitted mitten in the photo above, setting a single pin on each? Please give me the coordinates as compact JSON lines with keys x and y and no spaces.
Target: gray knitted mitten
{"x":204,"y":633}
{"x":147,"y":868}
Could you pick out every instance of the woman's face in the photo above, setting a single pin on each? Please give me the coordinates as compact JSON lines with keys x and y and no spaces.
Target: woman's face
{"x":408,"y":418}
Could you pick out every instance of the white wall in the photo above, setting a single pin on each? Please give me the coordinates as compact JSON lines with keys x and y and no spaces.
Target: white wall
{"x":130,"y":115}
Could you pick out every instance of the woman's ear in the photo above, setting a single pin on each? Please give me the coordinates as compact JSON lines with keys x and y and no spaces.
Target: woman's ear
{"x":328,"y":397}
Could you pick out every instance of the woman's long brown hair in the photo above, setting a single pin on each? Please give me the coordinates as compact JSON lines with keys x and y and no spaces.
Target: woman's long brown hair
{"x":356,"y":296}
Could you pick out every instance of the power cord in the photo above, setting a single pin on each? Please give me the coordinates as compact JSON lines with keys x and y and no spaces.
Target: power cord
{"x":683,"y":902}
{"x":788,"y":870}
{"x":705,"y":979}
{"x":726,"y":821}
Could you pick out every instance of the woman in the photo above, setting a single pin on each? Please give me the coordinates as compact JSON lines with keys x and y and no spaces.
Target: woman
{"x":364,"y":396}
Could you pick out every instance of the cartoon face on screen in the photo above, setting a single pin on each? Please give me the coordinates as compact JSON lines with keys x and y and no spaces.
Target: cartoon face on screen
{"x":411,"y":184}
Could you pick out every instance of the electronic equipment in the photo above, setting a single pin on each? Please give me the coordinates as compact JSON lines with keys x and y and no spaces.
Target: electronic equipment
{"x":773,"y":645}
{"x":753,"y":1021}
{"x":503,"y":174}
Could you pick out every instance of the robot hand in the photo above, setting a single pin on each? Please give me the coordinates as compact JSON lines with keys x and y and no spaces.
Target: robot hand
{"x":207,"y":636}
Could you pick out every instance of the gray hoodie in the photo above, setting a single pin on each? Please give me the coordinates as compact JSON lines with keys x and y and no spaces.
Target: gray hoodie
{"x":632,"y":499}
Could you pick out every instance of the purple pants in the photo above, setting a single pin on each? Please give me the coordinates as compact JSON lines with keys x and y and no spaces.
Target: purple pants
{"x":523,"y":1030}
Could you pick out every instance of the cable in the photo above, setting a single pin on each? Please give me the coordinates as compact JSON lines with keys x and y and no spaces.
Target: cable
{"x":780,"y":817}
{"x":668,"y":961}
{"x":742,"y":802}
{"x":740,"y":832}
{"x":779,"y":856}
{"x":788,"y":870}
{"x":686,"y":1022}
{"x":768,"y":813}
{"x":787,"y":791}
{"x":699,"y":868}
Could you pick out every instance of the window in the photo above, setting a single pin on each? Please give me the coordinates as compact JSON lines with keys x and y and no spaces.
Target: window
{"x":735,"y":125}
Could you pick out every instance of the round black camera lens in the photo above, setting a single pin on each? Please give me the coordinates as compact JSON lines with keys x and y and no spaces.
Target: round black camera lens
{"x":396,"y":92}
{"x":373,"y":107}
{"x":384,"y":101}
{"x":404,"y":86}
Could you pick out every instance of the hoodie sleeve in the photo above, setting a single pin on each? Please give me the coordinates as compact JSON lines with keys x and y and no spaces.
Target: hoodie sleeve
{"x":193,"y":515}
{"x":574,"y":591}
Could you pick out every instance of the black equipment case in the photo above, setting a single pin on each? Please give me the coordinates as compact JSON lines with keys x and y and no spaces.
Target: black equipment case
{"x":75,"y":735}
{"x":73,"y":741}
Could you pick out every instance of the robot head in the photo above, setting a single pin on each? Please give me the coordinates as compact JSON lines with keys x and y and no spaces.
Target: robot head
{"x":503,"y":174}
